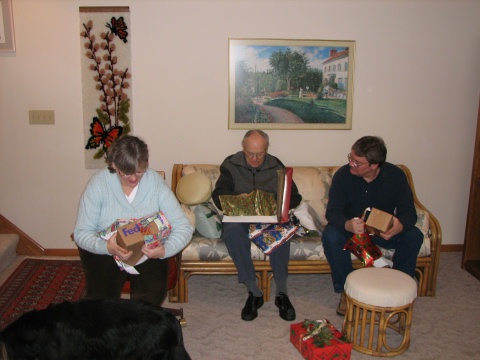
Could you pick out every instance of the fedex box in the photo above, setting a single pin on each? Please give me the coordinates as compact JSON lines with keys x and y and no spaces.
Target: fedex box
{"x":132,"y":237}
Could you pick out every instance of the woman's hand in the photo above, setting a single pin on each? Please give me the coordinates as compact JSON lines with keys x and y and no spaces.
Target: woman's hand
{"x":116,"y":250}
{"x":154,"y":253}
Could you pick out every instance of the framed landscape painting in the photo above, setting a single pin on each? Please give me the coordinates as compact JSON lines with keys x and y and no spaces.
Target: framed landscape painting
{"x":290,"y":84}
{"x":7,"y":36}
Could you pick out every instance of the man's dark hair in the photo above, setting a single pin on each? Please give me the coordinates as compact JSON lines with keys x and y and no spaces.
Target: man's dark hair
{"x":371,"y":147}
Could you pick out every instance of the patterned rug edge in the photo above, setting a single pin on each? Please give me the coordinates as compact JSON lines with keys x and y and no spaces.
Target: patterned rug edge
{"x":36,"y":283}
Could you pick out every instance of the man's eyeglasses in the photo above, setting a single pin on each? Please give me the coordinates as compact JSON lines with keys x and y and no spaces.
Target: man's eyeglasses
{"x":354,"y":163}
{"x":255,"y":155}
{"x":126,"y":176}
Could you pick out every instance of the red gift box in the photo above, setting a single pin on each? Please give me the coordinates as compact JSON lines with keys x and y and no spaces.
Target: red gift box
{"x":306,"y":338}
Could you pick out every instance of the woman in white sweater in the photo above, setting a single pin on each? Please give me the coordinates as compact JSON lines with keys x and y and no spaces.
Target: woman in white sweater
{"x":127,"y":189}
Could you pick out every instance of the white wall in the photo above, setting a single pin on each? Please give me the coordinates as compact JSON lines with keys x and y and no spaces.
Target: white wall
{"x":417,"y":84}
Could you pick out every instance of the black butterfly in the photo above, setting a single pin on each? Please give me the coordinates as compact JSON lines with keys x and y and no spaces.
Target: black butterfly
{"x":119,"y":28}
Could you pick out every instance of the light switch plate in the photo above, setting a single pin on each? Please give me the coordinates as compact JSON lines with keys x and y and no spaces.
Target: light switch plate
{"x":41,"y":117}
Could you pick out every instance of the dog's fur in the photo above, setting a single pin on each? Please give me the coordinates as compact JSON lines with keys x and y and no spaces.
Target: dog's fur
{"x":116,"y":329}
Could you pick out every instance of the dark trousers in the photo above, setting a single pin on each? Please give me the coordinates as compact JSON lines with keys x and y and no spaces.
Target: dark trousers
{"x":105,"y":279}
{"x":235,"y":236}
{"x":406,"y":244}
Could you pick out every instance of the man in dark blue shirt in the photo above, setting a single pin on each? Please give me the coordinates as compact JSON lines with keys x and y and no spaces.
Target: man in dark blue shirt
{"x":369,"y":181}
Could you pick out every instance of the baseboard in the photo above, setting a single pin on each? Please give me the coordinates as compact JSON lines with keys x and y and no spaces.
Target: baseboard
{"x":61,"y":252}
{"x":451,"y":247}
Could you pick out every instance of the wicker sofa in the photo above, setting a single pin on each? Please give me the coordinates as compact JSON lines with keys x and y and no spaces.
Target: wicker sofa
{"x":209,"y":256}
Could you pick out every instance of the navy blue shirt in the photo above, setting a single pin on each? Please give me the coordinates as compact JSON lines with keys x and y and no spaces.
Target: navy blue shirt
{"x":350,"y":195}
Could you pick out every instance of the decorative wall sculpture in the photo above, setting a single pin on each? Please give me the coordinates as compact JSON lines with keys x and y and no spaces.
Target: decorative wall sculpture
{"x":106,"y":70}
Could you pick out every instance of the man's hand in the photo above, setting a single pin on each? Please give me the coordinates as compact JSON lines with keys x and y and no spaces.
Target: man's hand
{"x":355,"y":225}
{"x":116,"y":250}
{"x":396,"y":228}
{"x":154,"y":253}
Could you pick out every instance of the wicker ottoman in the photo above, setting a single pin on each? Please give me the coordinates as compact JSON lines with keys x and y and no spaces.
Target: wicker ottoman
{"x":379,"y":310}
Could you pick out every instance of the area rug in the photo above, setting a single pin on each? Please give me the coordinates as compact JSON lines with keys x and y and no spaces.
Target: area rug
{"x":36,"y":283}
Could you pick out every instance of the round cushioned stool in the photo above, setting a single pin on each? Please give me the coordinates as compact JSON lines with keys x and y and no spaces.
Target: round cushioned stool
{"x":379,"y":303}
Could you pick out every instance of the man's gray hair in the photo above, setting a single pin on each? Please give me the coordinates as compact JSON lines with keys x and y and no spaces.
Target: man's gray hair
{"x":260,"y":132}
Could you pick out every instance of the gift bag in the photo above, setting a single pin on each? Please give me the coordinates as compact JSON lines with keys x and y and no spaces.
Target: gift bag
{"x":363,"y":248}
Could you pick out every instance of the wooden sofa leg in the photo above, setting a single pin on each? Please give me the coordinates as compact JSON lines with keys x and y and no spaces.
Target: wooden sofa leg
{"x":182,"y":295}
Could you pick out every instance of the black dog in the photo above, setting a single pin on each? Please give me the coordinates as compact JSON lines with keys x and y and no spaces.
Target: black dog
{"x":116,"y":329}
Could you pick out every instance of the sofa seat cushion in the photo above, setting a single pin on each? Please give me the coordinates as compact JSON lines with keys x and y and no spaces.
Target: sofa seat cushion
{"x":205,"y":249}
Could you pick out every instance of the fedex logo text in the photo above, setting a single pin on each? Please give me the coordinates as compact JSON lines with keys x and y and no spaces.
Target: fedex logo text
{"x":127,"y":232}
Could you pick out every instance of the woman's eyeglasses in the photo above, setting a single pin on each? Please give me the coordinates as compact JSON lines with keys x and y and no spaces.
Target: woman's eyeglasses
{"x":126,"y":176}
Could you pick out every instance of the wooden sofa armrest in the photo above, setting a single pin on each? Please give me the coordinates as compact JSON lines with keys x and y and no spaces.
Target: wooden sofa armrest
{"x":435,"y":231}
{"x":176,"y":176}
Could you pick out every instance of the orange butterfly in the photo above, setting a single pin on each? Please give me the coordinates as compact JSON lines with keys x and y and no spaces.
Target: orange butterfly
{"x":119,"y":28}
{"x":101,"y":136}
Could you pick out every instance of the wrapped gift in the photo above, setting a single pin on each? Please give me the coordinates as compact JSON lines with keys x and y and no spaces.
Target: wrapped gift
{"x":257,"y":203}
{"x":148,"y":230}
{"x":260,"y":206}
{"x":319,"y":340}
{"x":363,"y":248}
{"x":132,"y":234}
{"x":270,"y":236}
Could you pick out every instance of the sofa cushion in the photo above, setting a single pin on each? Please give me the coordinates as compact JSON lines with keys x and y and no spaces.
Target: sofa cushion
{"x":194,"y":189}
{"x":423,"y":223}
{"x":308,"y":217}
{"x":207,"y":222}
{"x":210,"y":171}
{"x":314,"y":184}
{"x":205,"y":249}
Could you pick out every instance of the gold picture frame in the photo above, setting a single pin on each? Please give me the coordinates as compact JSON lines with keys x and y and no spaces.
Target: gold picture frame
{"x":291,"y":84}
{"x":7,"y":34}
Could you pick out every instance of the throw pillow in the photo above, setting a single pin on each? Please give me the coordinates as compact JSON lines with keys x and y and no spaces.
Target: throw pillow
{"x":194,"y":188}
{"x":207,"y":222}
{"x":308,"y":217}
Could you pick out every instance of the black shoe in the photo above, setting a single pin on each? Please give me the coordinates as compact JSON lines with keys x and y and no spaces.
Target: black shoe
{"x":249,"y":311}
{"x":286,"y":310}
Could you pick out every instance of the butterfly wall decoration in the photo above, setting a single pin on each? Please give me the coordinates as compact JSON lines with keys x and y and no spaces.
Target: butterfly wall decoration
{"x":106,"y":61}
{"x":119,"y":28}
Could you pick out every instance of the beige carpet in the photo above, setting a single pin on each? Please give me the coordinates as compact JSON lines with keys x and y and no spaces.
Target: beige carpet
{"x":446,"y":326}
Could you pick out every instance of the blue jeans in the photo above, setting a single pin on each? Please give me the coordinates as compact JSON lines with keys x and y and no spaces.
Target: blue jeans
{"x":406,"y":244}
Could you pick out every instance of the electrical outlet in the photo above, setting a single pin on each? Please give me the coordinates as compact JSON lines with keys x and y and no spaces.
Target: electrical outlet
{"x":41,"y":117}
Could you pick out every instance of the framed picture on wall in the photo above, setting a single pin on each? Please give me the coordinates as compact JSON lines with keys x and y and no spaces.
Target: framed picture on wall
{"x":7,"y":37}
{"x":290,"y":84}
